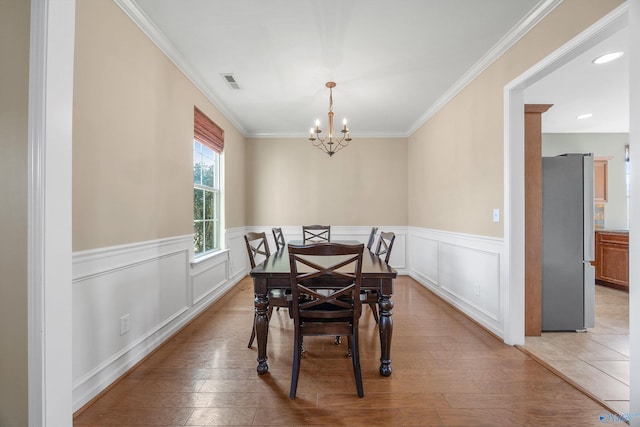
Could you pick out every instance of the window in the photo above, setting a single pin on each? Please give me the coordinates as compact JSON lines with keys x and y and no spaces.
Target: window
{"x":206,"y":199}
{"x":207,"y":147}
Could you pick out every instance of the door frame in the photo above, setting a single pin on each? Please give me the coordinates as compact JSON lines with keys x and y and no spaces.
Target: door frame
{"x":49,"y":257}
{"x":514,"y":179}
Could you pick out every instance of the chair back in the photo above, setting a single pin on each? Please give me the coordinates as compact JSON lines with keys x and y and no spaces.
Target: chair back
{"x":334,"y":268}
{"x":325,"y":289}
{"x":385,"y":244}
{"x":256,"y":245}
{"x":372,"y":237}
{"x":316,"y":233}
{"x":278,"y":236}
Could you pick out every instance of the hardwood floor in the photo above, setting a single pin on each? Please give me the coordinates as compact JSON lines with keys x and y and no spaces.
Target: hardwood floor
{"x":596,"y":361}
{"x":446,"y":371}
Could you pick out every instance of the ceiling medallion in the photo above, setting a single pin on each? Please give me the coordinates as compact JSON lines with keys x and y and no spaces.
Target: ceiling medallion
{"x":330,"y":143}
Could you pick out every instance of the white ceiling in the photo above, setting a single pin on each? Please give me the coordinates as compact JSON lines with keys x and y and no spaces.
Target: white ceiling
{"x":395,"y":62}
{"x":581,"y":87}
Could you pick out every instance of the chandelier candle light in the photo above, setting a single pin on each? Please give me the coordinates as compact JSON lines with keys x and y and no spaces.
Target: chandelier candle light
{"x":331,"y":143}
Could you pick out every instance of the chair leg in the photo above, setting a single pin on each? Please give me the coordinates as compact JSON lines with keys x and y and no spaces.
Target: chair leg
{"x":355,"y":359}
{"x":253,"y":332}
{"x":374,"y":310}
{"x":295,"y":370}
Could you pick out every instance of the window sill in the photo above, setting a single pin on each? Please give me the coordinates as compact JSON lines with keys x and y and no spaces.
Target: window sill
{"x":209,"y":256}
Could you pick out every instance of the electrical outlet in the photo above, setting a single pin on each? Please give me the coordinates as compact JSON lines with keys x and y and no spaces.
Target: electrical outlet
{"x":496,"y":215}
{"x":124,"y":324}
{"x":477,"y":288}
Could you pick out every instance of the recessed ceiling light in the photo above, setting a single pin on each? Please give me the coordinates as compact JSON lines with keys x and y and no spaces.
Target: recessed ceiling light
{"x":608,"y":57}
{"x":584,"y":116}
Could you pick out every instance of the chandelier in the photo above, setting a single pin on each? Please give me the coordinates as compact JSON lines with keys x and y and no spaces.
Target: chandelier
{"x":330,"y":143}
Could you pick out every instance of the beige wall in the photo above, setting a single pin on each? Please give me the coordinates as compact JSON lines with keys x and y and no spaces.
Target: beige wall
{"x":291,"y":183}
{"x":14,"y":84}
{"x":234,"y":177}
{"x":456,"y":158}
{"x":132,"y":136}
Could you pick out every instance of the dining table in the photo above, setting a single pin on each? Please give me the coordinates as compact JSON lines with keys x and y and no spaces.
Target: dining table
{"x":274,"y":273}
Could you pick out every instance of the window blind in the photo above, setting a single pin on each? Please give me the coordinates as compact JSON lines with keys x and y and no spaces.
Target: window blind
{"x":207,"y":132}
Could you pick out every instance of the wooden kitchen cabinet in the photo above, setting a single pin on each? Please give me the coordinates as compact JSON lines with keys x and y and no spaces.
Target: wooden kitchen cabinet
{"x":600,"y":181}
{"x":612,"y":258}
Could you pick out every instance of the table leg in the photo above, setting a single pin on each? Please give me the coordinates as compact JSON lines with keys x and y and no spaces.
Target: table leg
{"x":261,"y":303}
{"x":386,"y":331}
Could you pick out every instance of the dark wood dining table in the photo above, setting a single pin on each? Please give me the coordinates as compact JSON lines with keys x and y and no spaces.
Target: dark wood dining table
{"x":274,"y":273}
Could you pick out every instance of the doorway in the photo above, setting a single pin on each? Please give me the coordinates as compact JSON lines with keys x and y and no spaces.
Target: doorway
{"x":514,"y":205}
{"x":515,"y":225}
{"x":597,"y":361}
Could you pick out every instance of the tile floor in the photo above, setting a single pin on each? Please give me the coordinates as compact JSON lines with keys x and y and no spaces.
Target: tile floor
{"x":597,"y":361}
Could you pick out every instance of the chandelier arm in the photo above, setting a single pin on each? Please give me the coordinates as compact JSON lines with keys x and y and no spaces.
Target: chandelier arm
{"x":342,"y":144}
{"x":324,"y":150}
{"x":322,"y":146}
{"x":340,"y":147}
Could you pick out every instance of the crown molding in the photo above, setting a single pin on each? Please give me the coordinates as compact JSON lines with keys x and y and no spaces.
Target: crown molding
{"x":133,"y":11}
{"x":303,"y":135}
{"x":542,"y":9}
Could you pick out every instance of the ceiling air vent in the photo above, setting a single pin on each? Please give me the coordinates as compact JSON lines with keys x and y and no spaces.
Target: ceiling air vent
{"x":228,"y":77}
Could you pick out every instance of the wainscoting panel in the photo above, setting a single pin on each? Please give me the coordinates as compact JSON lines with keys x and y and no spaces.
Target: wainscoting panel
{"x":464,"y":270}
{"x":208,"y":276}
{"x":424,"y":257}
{"x":155,"y":288}
{"x":473,"y":276}
{"x":238,"y":261}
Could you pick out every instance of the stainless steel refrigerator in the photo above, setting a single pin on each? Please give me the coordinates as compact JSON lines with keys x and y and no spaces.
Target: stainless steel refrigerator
{"x":568,"y":278}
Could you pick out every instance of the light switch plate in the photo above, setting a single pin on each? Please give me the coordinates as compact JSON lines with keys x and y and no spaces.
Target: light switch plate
{"x":496,"y":215}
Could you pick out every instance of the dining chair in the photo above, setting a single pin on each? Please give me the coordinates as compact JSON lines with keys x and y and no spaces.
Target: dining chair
{"x":368,"y":298}
{"x":372,"y":237}
{"x":385,"y":244}
{"x":257,"y":245}
{"x":316,"y":233}
{"x":333,"y":266}
{"x":278,"y":236}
